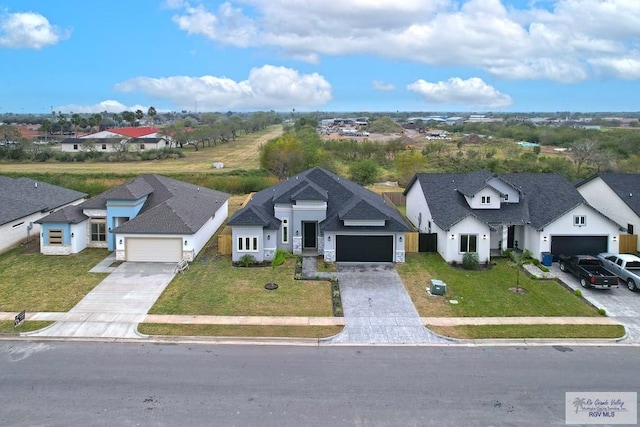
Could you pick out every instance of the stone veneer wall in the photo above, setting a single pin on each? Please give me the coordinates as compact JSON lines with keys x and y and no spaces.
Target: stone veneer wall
{"x":56,"y":250}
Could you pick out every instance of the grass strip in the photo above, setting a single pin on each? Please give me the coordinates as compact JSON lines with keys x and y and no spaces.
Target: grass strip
{"x":239,"y":330}
{"x":529,"y":331}
{"x":6,"y":326}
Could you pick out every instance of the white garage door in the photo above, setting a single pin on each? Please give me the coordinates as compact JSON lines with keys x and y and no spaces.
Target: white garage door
{"x":153,"y":249}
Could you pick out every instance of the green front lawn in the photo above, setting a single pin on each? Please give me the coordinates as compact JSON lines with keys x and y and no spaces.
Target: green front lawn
{"x":486,"y":292}
{"x":6,"y":326}
{"x":213,"y":286}
{"x":35,"y":282}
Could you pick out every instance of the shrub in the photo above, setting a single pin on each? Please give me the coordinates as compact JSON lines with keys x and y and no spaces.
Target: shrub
{"x":247,"y":260}
{"x":578,"y":292}
{"x":543,"y":268}
{"x":602,"y":312}
{"x":470,"y":261}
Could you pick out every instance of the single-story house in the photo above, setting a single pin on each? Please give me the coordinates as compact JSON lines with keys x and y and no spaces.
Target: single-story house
{"x":23,"y":201}
{"x":150,"y":218}
{"x":617,"y":195}
{"x":317,"y":212}
{"x":484,"y":212}
{"x":117,"y":139}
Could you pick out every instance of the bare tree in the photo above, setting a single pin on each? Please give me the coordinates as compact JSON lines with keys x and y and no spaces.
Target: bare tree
{"x":583,"y":152}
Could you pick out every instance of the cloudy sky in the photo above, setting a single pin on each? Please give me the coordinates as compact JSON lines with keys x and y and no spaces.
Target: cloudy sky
{"x":308,"y":55}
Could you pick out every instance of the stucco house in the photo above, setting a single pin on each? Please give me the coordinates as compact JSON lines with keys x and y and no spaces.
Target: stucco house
{"x":319,"y":213}
{"x":617,"y":195}
{"x":151,"y":218}
{"x":23,"y":201}
{"x":117,"y":139}
{"x":484,"y":212}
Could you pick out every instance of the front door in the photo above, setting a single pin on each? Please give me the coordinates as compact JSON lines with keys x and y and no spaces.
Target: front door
{"x":309,"y":234}
{"x":510,"y":236}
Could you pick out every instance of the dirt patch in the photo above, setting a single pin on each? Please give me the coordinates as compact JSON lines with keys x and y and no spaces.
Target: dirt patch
{"x":31,"y":247}
{"x":518,"y":290}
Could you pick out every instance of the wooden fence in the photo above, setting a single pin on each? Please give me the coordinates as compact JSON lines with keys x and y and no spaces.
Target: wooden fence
{"x":411,"y":241}
{"x":395,"y":197}
{"x":225,"y":246}
{"x":628,"y":243}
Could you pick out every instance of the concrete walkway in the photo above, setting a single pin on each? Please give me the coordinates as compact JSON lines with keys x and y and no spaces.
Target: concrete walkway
{"x":114,"y":308}
{"x":377,"y":308}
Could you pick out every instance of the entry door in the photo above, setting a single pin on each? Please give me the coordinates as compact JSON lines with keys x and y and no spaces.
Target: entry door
{"x":309,"y":234}
{"x":510,"y":236}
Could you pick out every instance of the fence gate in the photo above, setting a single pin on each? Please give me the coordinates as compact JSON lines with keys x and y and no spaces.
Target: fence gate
{"x":428,"y":242}
{"x":628,"y":243}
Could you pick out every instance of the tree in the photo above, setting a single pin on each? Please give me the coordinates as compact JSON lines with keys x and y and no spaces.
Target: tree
{"x":408,"y":163}
{"x":583,"y":152}
{"x":139,"y":115}
{"x":364,"y":172}
{"x":283,"y":156}
{"x":129,"y":116}
{"x":151,"y":112}
{"x":75,"y":121}
{"x":279,"y":258}
{"x":46,"y":127}
{"x":62,"y":122}
{"x":94,"y":121}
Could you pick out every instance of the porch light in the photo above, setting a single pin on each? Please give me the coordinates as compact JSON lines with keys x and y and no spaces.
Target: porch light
{"x":453,"y":236}
{"x":400,"y":238}
{"x":268,"y":236}
{"x":329,"y":238}
{"x":544,"y":238}
{"x":484,"y":237}
{"x":614,"y":238}
{"x":72,"y":235}
{"x":185,"y":243}
{"x":120,"y":241}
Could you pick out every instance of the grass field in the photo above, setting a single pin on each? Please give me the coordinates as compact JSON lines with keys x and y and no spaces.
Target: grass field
{"x":6,"y":326}
{"x":244,"y":153}
{"x":486,"y":292}
{"x":213,"y":286}
{"x":36,"y":282}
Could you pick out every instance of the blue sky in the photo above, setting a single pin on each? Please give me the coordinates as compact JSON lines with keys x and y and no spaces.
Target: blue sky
{"x":309,"y":55}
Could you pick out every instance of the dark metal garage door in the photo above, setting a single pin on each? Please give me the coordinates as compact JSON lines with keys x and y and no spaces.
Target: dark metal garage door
{"x":364,"y":248}
{"x":577,"y":245}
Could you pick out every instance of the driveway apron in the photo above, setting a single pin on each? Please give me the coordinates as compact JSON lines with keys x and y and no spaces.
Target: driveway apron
{"x":114,"y":308}
{"x":620,"y":303}
{"x":377,"y":308}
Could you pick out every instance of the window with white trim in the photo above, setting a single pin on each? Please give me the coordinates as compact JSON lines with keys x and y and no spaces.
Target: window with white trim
{"x":55,"y":237}
{"x":285,"y":230}
{"x":580,"y":220}
{"x":486,"y":200}
{"x":98,"y":231}
{"x":468,"y":243}
{"x":248,"y":244}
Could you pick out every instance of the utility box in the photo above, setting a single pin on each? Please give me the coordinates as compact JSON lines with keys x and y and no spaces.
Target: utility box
{"x":547,"y":259}
{"x":438,"y":287}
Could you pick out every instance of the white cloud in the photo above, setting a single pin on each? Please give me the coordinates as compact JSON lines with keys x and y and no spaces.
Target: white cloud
{"x":623,"y":68}
{"x":382,"y":86}
{"x":28,"y":30}
{"x":110,"y":106}
{"x":470,"y":93}
{"x":559,"y":42}
{"x":267,"y":87}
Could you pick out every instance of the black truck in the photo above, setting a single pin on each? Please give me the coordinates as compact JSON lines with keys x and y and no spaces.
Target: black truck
{"x":589,"y":270}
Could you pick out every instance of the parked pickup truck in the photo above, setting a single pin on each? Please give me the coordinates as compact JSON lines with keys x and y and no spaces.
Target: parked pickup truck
{"x":589,"y":270}
{"x":625,"y":266}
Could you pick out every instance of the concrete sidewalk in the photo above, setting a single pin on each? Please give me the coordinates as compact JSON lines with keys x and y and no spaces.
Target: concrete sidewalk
{"x":323,"y":321}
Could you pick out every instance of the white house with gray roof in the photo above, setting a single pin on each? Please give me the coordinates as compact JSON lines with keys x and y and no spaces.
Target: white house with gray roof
{"x":317,"y":212}
{"x":151,"y":218}
{"x":23,"y":201}
{"x":484,"y":212}
{"x":616,"y":195}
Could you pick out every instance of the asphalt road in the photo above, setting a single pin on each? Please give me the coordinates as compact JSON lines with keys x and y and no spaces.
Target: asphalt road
{"x":68,"y":384}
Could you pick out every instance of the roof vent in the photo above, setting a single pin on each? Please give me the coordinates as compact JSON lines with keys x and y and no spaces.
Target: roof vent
{"x":35,"y":184}
{"x":630,"y":194}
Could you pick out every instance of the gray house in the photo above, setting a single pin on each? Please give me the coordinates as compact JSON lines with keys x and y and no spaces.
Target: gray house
{"x":151,"y":218}
{"x":23,"y":201}
{"x":319,"y":213}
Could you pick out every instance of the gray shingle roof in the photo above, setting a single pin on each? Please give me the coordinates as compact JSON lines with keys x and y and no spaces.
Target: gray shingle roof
{"x":345,"y":200}
{"x":172,"y":206}
{"x":20,"y":197}
{"x":625,"y":185}
{"x":543,"y":198}
{"x":67,"y":215}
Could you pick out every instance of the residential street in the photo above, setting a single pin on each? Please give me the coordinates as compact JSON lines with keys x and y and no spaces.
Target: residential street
{"x":61,"y":383}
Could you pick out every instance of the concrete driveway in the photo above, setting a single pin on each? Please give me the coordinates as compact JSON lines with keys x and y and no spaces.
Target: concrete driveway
{"x":114,"y":308}
{"x":620,"y":303}
{"x":377,"y":308}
